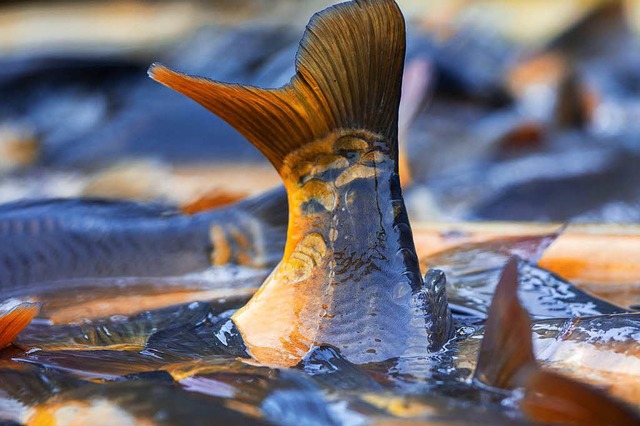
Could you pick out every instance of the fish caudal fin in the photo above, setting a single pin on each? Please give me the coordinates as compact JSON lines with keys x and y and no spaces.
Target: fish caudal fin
{"x":348,"y":76}
{"x":506,"y":350}
{"x":15,"y":319}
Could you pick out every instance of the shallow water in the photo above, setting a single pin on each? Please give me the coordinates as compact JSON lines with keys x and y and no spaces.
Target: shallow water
{"x":193,"y":358}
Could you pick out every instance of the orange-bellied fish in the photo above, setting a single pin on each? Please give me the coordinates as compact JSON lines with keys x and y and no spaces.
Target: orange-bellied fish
{"x":349,"y":276}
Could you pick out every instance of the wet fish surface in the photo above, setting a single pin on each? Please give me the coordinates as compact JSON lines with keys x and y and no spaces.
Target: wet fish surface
{"x":144,"y":321}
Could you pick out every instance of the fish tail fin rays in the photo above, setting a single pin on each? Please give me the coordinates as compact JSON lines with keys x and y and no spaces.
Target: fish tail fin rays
{"x":553,"y":399}
{"x":507,"y":349}
{"x":348,"y":76}
{"x":15,"y":319}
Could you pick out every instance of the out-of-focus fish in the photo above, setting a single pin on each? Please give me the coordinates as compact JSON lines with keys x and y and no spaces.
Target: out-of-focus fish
{"x":332,"y":134}
{"x":19,"y":148}
{"x":45,"y":241}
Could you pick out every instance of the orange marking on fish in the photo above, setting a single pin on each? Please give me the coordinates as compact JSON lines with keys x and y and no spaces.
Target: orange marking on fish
{"x":222,"y":252}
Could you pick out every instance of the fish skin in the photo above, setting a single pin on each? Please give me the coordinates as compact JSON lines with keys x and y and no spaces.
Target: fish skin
{"x":473,"y":270}
{"x":138,"y":402}
{"x":49,"y":240}
{"x":332,"y":134}
{"x":106,"y":333}
{"x":600,"y":350}
{"x":507,"y":361}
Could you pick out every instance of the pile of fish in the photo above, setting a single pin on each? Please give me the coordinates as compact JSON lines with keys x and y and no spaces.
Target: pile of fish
{"x":316,"y":303}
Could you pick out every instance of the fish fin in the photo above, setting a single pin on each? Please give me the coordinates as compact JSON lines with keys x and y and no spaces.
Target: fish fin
{"x":507,"y":349}
{"x":270,"y":207}
{"x":15,"y":320}
{"x":211,"y":200}
{"x":256,"y":231}
{"x":339,"y":83}
{"x":435,"y":291}
{"x":553,"y":399}
{"x":572,"y":107}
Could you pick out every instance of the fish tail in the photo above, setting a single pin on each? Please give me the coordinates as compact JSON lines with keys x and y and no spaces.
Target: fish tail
{"x":506,"y":350}
{"x":13,"y":321}
{"x":348,"y":77}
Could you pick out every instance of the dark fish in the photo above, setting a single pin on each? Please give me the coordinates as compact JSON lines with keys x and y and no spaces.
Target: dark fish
{"x":602,"y":32}
{"x":606,"y":179}
{"x":46,"y":241}
{"x":116,"y":332}
{"x":151,"y":121}
{"x":332,"y":135}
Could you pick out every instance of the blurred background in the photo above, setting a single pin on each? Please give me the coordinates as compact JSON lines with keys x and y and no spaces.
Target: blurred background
{"x":512,"y":110}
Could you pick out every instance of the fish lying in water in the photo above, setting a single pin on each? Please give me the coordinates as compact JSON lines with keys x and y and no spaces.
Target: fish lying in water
{"x":51,"y":240}
{"x":347,"y":304}
{"x":507,"y":360}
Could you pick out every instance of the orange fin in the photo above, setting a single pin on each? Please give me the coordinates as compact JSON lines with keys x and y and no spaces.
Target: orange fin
{"x":15,"y":319}
{"x":210,"y":200}
{"x":339,"y":83}
{"x":552,"y":398}
{"x":506,"y":350}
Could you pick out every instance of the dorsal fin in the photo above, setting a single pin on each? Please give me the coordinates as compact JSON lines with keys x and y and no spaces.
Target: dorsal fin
{"x":506,"y":350}
{"x":506,"y":361}
{"x":554,"y":399}
{"x":348,"y":76}
{"x":572,"y":109}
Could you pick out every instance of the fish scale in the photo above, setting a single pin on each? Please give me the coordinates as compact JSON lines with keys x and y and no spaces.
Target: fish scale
{"x":63,"y":239}
{"x":332,"y":135}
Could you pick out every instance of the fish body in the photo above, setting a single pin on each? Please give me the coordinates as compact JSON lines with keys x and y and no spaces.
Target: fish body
{"x":340,"y":275}
{"x":347,"y":304}
{"x":53,"y":240}
{"x":602,"y":350}
{"x":332,"y":135}
{"x":507,"y":360}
